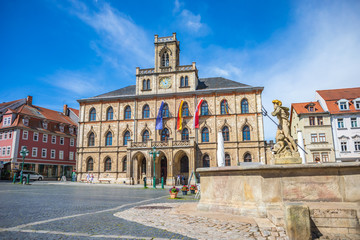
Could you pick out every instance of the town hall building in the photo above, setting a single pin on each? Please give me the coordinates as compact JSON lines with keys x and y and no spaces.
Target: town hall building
{"x":118,"y":130}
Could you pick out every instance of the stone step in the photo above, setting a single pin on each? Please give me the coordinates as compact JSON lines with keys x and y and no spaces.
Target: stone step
{"x":333,"y":213}
{"x":276,"y":217}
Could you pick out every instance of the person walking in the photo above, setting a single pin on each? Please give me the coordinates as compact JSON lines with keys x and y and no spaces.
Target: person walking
{"x":87,"y":178}
{"x":92,"y":178}
{"x":178,"y":179}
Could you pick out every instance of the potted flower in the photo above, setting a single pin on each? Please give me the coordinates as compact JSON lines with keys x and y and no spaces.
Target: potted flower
{"x":192,"y":189}
{"x":184,"y":190}
{"x":173,"y":192}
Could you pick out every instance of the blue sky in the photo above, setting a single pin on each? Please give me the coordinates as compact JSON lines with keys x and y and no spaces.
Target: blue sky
{"x":61,"y":51}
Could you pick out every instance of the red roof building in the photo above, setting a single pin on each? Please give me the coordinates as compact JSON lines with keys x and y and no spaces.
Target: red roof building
{"x":49,"y":136}
{"x":344,"y":108}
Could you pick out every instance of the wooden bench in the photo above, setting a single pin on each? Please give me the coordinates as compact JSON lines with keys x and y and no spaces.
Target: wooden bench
{"x":104,"y":180}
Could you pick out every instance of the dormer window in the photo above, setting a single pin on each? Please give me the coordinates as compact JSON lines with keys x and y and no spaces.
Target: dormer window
{"x":71,"y":130}
{"x":61,"y":127}
{"x":45,"y":125}
{"x":343,"y":104}
{"x":311,"y":108}
{"x":165,"y":59}
{"x":357,"y":103}
{"x":26,"y":121}
{"x":7,"y":121}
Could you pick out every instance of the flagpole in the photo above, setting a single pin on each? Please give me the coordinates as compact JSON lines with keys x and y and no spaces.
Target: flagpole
{"x":196,"y":130}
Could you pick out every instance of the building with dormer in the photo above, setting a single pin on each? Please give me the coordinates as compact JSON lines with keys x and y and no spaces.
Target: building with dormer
{"x":117,"y":130}
{"x":311,"y":126}
{"x":344,"y":108}
{"x":49,"y":136}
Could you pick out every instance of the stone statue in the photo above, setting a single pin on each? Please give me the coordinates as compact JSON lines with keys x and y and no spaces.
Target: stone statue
{"x":285,"y":149}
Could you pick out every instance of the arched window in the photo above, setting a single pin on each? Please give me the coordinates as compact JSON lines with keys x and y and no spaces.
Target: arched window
{"x":204,"y":108}
{"x":205,"y":134}
{"x":227,"y":160}
{"x":144,"y":85}
{"x":110,"y":114}
{"x":184,"y":164}
{"x":185,"y":134}
{"x":186,"y":81}
{"x":244,"y":106}
{"x":206,"y":161}
{"x":224,"y":107}
{"x":185,"y":110}
{"x":148,"y":84}
{"x":145,"y":136}
{"x":165,"y":59}
{"x":124,"y":165}
{"x":143,"y":166}
{"x":90,"y":165}
{"x":165,"y":112}
{"x":92,"y":116}
{"x":108,"y":141}
{"x":127,"y":112}
{"x":108,"y":164}
{"x":182,"y":82}
{"x":91,"y":141}
{"x":246,"y":133}
{"x":126,"y":137}
{"x":146,"y":111}
{"x":247,"y":157}
{"x":165,"y":135}
{"x":225,"y":133}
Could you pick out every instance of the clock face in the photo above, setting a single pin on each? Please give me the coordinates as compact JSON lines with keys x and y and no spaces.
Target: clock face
{"x":165,"y":82}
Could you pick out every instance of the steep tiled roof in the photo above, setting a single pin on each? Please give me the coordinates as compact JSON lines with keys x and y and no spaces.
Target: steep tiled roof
{"x":332,"y":96}
{"x":12,"y":104}
{"x":301,"y":108}
{"x":45,"y":113}
{"x":76,"y":111}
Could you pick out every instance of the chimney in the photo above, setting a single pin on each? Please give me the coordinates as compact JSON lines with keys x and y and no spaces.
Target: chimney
{"x":65,"y":109}
{"x":29,"y":100}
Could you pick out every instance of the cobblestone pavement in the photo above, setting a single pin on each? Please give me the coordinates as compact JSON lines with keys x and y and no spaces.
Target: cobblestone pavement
{"x":183,"y":219}
{"x":54,"y":211}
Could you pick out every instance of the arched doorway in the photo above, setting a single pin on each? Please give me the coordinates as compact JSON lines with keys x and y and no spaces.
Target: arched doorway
{"x":181,"y":168}
{"x":139,"y":168}
{"x":163,"y":169}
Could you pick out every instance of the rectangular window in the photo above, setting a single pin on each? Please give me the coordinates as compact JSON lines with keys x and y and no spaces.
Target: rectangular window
{"x":0,"y":151}
{"x":61,"y":154}
{"x":343,"y":106}
{"x":4,"y":151}
{"x":343,"y":146}
{"x":357,"y":146}
{"x":25,"y":135}
{"x":10,"y":134}
{"x":1,"y":135}
{"x":52,"y":153}
{"x":45,"y":138}
{"x":72,"y":142}
{"x":341,"y":123}
{"x":312,"y":121}
{"x":353,"y":123}
{"x":53,"y":139}
{"x":43,"y":152}
{"x":314,"y":137}
{"x":324,"y":157}
{"x":71,"y":155}
{"x":7,"y":121}
{"x":5,"y":135}
{"x":320,"y":120}
{"x":316,"y":157}
{"x":36,"y":136}
{"x":357,"y":104}
{"x":322,"y":137}
{"x":62,"y":141}
{"x":8,"y":150}
{"x":34,"y":152}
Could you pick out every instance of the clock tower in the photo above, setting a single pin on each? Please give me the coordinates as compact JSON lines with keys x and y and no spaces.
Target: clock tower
{"x":167,"y":76}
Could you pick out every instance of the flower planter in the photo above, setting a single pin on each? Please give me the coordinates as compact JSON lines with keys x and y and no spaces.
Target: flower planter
{"x":192,"y":191}
{"x":173,"y":195}
{"x":184,"y":192}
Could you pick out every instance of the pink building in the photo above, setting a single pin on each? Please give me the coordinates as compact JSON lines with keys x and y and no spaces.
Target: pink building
{"x":49,"y":136}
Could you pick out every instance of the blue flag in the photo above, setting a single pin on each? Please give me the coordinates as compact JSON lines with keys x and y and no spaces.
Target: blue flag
{"x":159,"y":118}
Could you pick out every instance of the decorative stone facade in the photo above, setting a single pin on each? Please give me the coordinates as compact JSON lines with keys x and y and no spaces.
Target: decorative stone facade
{"x":126,"y":158}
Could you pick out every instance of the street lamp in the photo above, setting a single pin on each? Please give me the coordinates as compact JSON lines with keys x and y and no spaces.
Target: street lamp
{"x":155,"y":154}
{"x":24,"y":152}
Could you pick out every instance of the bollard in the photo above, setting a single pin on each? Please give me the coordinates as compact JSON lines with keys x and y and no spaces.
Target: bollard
{"x":145,"y":182}
{"x":162,"y":182}
{"x":28,"y":179}
{"x":14,"y":180}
